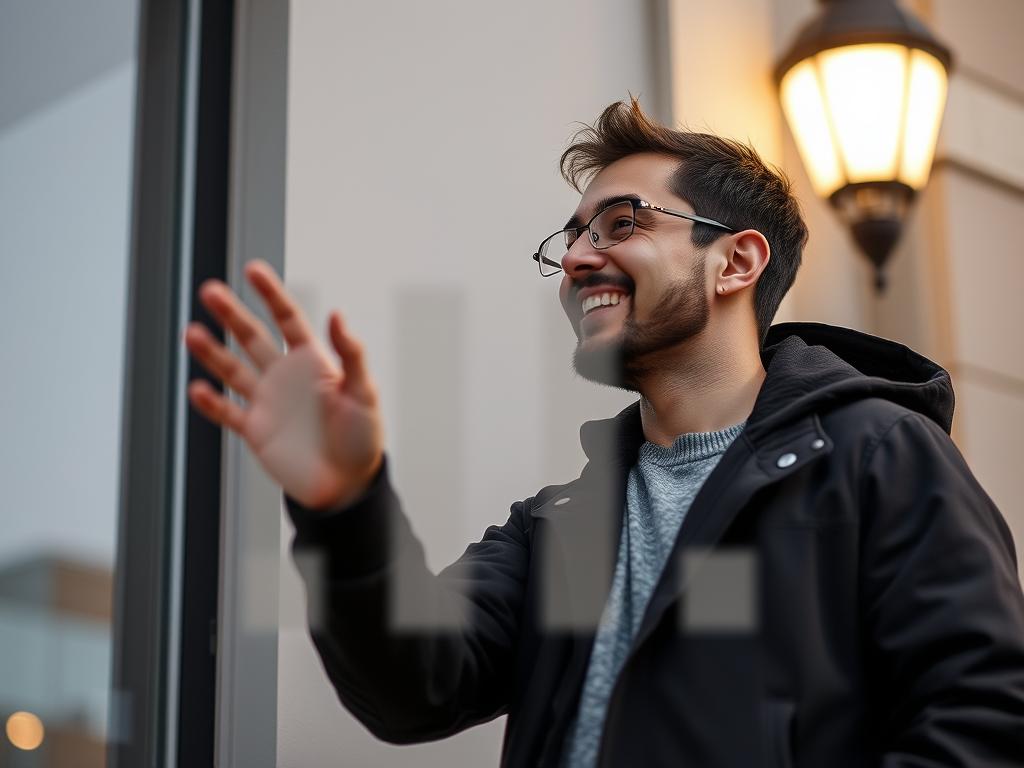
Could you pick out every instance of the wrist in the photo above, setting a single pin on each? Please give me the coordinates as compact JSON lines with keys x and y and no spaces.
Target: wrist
{"x":359,"y":488}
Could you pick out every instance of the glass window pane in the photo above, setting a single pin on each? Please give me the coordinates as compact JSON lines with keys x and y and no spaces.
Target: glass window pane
{"x":67,"y":104}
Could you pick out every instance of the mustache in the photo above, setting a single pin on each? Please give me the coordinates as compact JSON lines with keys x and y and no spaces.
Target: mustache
{"x":592,"y":281}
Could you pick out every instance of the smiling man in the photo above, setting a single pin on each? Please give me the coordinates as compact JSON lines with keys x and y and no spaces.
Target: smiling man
{"x":775,"y":557}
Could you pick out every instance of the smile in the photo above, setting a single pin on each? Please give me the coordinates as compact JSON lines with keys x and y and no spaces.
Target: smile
{"x":601,"y":300}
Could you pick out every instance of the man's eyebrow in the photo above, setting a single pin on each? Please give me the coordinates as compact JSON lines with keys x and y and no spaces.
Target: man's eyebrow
{"x":576,"y":221}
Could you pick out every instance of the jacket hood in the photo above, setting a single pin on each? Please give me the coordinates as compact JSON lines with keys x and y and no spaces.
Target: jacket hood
{"x":810,"y":367}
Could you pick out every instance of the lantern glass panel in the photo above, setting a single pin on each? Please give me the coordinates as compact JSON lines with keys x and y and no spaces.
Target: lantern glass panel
{"x":804,"y":106}
{"x":925,"y":102}
{"x":865,"y":93}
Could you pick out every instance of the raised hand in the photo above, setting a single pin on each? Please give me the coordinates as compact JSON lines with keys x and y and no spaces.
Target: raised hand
{"x":314,"y":425}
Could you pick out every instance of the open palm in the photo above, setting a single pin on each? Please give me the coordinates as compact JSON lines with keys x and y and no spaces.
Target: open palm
{"x":314,"y":425}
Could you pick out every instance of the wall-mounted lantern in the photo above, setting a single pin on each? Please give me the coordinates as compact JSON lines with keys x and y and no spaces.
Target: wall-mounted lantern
{"x":863,"y":88}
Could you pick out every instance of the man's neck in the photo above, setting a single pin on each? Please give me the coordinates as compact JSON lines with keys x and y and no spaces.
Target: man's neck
{"x":705,"y":388}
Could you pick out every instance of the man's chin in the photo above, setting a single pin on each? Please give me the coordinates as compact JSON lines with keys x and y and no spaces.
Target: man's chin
{"x":601,"y":363}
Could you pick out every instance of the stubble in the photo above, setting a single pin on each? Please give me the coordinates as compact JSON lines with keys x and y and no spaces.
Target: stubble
{"x":681,"y":313}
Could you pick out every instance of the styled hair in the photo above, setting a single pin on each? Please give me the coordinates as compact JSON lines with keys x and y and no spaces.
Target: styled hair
{"x":722,"y":179}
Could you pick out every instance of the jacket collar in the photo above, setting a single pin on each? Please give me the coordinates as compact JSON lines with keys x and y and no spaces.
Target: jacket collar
{"x":814,"y":367}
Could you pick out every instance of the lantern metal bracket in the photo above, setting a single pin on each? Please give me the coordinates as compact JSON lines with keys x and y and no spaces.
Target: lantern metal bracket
{"x":874,"y":212}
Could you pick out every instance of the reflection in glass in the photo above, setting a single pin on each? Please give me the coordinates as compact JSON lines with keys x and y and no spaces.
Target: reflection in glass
{"x":67,"y":93}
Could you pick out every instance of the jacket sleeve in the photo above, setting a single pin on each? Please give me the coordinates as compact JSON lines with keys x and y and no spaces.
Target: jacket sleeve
{"x":412,"y":655}
{"x":943,"y":606}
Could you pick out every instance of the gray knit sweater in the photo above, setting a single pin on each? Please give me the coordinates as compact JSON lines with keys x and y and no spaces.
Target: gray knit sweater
{"x":659,"y":491}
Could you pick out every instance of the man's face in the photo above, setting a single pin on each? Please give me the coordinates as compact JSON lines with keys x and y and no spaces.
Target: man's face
{"x":658,"y":274}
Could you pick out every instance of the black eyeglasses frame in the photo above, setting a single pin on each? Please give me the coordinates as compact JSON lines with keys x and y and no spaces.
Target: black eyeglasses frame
{"x":636,"y":204}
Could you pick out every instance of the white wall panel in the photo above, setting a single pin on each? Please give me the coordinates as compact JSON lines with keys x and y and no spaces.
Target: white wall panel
{"x":422,"y":164}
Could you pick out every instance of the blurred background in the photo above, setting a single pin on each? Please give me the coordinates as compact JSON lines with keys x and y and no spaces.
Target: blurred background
{"x":397,"y":161}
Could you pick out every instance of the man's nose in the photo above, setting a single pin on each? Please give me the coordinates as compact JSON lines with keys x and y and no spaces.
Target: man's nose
{"x":583,"y":257}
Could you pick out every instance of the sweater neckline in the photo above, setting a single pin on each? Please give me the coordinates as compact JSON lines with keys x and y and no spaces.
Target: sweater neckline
{"x":690,"y":447}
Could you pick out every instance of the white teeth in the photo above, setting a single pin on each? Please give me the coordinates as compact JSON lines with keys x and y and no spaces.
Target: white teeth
{"x":600,"y":300}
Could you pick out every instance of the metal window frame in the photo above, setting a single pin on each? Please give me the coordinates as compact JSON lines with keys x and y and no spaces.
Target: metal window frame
{"x":164,"y":672}
{"x":251,"y":523}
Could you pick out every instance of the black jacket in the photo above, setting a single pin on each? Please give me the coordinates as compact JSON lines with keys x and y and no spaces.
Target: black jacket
{"x":889,"y":620}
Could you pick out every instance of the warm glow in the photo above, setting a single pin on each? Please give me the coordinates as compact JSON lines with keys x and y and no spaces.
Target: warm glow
{"x":805,"y":110}
{"x":864,"y":90}
{"x":924,"y":115}
{"x":25,"y":730}
{"x":865,"y":113}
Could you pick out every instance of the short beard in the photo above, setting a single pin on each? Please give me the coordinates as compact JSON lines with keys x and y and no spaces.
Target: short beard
{"x":681,"y":314}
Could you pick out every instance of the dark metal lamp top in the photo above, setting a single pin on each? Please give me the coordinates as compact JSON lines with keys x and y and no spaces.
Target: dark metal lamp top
{"x":854,"y":22}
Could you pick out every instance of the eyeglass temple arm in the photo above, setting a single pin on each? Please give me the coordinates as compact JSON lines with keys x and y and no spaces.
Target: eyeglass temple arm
{"x":538,"y":258}
{"x":693,"y":217}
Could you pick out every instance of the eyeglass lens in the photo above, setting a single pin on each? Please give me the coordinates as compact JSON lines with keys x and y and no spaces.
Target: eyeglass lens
{"x":612,"y":225}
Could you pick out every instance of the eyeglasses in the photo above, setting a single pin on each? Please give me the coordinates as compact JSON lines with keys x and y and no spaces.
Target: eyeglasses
{"x":609,"y":226}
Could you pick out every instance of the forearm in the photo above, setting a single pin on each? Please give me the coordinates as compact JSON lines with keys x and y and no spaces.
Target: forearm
{"x":415,"y":656}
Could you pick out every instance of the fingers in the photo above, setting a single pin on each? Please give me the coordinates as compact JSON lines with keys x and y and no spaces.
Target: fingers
{"x":286,"y":313}
{"x":216,"y":407}
{"x":220,"y":361}
{"x":357,"y":380}
{"x":231,"y":313}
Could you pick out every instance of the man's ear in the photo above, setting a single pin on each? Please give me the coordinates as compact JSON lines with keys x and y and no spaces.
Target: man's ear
{"x":746,"y":255}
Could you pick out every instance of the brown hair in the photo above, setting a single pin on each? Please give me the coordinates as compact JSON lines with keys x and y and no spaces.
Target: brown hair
{"x":722,"y":179}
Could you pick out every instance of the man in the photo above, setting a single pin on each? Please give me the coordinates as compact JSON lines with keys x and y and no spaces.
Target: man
{"x":776,"y":557}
